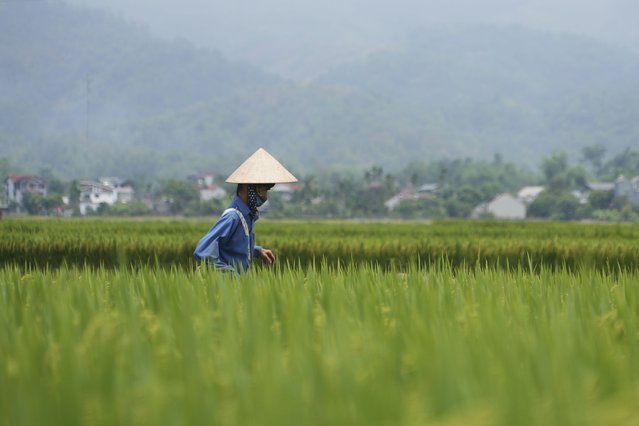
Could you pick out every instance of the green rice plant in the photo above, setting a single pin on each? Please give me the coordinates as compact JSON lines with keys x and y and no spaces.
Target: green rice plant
{"x":504,"y":245}
{"x":339,"y":344}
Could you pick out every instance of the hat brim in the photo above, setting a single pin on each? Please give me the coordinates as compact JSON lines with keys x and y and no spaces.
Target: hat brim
{"x":261,"y":168}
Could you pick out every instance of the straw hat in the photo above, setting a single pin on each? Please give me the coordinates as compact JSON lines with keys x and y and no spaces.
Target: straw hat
{"x":261,"y":167}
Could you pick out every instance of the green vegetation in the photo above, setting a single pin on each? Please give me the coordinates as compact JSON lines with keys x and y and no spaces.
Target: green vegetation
{"x":457,"y":187}
{"x":562,"y":180}
{"x":109,"y":323}
{"x":342,"y":346}
{"x":532,"y":246}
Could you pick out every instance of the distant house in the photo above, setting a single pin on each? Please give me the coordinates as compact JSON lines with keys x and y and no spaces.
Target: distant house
{"x":427,"y":190}
{"x":17,"y":186}
{"x":124,"y":192}
{"x":601,"y":186}
{"x":395,"y":200}
{"x":583,"y":196}
{"x":201,"y":179}
{"x":528,"y":194}
{"x":93,"y":194}
{"x":212,"y":192}
{"x":205,"y":183}
{"x":285,"y":190}
{"x":628,"y":189}
{"x":504,"y":206}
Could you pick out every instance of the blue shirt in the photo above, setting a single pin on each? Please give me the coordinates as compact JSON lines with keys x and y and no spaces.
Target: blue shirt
{"x":225,"y":246}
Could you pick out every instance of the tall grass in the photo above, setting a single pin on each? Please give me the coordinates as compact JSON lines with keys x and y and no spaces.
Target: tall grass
{"x":334,"y":345}
{"x":115,"y":243}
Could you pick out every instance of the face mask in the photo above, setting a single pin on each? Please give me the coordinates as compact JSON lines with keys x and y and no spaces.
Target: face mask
{"x":254,"y":199}
{"x":259,"y":200}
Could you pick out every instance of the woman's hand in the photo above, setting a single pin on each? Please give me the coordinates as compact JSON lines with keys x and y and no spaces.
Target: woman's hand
{"x":267,"y":256}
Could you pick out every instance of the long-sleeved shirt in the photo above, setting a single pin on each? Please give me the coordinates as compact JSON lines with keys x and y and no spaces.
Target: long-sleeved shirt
{"x":226,"y":245}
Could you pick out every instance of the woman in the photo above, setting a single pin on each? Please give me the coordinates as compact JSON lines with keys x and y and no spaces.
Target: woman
{"x":230,"y":243}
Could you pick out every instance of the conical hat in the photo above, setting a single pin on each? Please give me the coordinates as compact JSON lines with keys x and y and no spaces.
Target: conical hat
{"x":261,"y":167}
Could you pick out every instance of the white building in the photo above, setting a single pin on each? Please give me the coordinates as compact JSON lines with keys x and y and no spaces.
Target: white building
{"x":285,"y":190}
{"x":202,"y":179}
{"x":17,"y":186}
{"x":504,"y":206}
{"x":205,"y":183}
{"x":601,"y":186}
{"x":123,"y":190}
{"x":396,"y":200}
{"x":528,"y":194}
{"x":425,"y":191}
{"x":628,"y":189}
{"x":212,"y":192}
{"x":92,"y":194}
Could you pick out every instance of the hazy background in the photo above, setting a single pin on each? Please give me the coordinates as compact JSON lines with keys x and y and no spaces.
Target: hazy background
{"x":302,"y":38}
{"x":165,"y":88}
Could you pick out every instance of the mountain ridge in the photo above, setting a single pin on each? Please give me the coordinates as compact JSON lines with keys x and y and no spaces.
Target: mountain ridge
{"x":89,"y":94}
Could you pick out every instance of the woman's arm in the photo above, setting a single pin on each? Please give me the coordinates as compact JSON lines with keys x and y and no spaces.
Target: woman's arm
{"x":208,"y":248}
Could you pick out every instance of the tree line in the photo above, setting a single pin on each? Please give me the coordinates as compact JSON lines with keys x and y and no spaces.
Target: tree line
{"x":456,"y":187}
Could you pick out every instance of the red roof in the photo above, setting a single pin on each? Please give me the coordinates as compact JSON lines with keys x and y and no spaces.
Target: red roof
{"x":18,"y":178}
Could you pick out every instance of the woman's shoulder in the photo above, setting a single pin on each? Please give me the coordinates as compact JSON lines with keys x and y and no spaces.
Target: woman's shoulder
{"x":235,"y":216}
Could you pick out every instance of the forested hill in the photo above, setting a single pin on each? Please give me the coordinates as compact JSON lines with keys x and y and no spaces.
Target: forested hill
{"x":87,"y":94}
{"x":509,"y":89}
{"x":56,"y":57}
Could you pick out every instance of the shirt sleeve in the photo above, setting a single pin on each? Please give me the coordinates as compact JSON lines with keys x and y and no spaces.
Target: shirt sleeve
{"x":257,"y":250}
{"x":208,"y":248}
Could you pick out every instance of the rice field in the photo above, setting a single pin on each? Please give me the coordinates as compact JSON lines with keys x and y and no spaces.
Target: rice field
{"x":319,"y":341}
{"x":502,"y":245}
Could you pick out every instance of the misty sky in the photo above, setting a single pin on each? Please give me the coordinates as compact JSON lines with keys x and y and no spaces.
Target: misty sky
{"x":304,"y":37}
